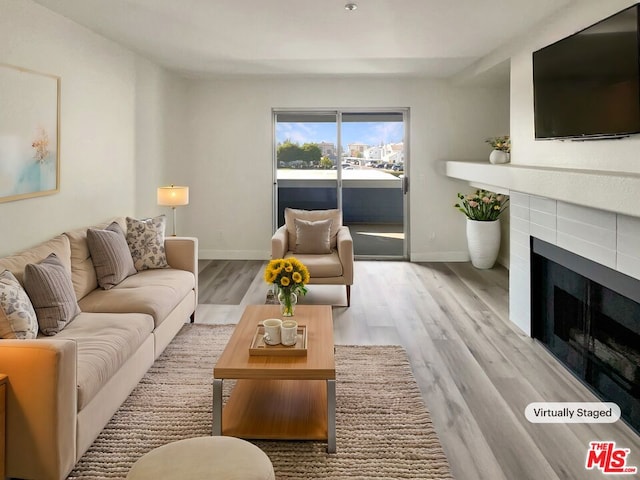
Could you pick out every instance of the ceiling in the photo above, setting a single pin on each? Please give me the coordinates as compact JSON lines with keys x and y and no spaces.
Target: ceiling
{"x":204,"y":38}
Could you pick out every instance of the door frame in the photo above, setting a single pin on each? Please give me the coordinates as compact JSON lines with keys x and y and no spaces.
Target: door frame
{"x":338,"y":112}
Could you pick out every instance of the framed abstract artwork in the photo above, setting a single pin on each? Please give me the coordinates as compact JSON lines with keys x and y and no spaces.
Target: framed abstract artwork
{"x":29,"y":133}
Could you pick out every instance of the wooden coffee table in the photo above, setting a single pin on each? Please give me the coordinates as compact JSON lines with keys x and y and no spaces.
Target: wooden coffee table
{"x":279,"y":397}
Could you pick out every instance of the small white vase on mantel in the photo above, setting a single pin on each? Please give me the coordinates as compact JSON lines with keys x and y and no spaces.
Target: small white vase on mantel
{"x":498,"y":156}
{"x":483,"y":241}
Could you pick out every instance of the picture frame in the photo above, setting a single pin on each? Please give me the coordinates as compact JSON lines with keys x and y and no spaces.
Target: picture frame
{"x":29,"y":133}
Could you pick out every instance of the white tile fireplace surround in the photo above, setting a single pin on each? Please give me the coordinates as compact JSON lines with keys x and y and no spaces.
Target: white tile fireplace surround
{"x":610,"y":238}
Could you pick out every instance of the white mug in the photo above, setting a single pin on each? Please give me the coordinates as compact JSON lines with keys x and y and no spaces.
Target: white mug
{"x":272,"y":331}
{"x":289,"y":332}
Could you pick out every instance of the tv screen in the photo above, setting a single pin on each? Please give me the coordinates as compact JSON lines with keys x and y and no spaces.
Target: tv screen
{"x":588,"y":85}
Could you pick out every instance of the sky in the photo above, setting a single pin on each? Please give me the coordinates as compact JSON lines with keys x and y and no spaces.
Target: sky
{"x":370,"y":133}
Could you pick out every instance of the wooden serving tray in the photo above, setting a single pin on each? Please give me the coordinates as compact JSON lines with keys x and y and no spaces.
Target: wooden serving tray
{"x":258,"y":347}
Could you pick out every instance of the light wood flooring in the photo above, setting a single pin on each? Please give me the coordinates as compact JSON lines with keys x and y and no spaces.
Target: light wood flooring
{"x":477,"y":372}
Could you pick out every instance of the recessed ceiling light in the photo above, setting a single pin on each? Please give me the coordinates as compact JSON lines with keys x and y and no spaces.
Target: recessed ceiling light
{"x":350,"y":7}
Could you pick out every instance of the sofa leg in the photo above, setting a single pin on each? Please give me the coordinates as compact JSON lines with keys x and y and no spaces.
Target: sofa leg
{"x":348,"y":295}
{"x":193,"y":317}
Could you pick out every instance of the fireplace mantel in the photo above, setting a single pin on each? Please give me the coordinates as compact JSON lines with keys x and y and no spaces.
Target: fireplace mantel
{"x":612,"y":191}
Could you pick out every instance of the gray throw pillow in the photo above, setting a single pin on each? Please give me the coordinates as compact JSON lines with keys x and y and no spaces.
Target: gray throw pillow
{"x":17,"y":316}
{"x":313,"y":237}
{"x":146,"y":242}
{"x":50,"y":289}
{"x":110,"y":254}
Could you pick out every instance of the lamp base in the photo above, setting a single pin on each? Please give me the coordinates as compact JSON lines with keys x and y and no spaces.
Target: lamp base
{"x":174,"y":222}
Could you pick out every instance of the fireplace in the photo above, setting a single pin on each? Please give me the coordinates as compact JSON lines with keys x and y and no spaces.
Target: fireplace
{"x":588,"y":316}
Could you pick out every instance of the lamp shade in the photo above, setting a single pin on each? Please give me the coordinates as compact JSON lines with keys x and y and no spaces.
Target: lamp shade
{"x":173,"y":196}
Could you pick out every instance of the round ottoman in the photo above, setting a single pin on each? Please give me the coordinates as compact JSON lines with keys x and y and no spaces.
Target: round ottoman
{"x":199,"y":458}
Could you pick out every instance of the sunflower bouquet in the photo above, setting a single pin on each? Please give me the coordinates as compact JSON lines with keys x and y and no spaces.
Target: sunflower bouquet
{"x":289,"y":275}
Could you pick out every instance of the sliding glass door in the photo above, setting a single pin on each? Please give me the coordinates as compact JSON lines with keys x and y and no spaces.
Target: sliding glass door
{"x":306,"y":152}
{"x":352,"y":160}
{"x":373,"y":199}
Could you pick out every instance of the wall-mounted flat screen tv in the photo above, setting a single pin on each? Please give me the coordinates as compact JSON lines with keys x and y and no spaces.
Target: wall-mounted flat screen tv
{"x":588,"y":85}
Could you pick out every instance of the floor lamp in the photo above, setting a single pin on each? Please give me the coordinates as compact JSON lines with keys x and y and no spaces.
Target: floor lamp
{"x":173,"y":196}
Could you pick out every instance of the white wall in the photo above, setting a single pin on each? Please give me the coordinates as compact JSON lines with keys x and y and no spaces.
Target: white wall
{"x":230,"y":164}
{"x":97,"y":123}
{"x":120,"y":119}
{"x":610,"y":155}
{"x":128,"y":126}
{"x":160,"y":137}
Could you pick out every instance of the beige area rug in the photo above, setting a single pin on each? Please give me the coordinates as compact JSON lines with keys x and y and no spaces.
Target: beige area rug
{"x":383,"y":427}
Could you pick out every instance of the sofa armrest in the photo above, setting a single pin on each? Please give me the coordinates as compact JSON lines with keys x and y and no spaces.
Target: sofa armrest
{"x":182,"y":253}
{"x":41,"y":407}
{"x":279,"y":243}
{"x":345,"y":252}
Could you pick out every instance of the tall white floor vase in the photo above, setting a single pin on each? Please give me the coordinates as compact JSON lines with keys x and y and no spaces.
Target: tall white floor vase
{"x":483,"y":241}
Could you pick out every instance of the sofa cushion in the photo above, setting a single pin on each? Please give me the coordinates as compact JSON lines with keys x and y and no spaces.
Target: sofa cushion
{"x":16,"y":262}
{"x":83,"y":273}
{"x":320,"y":266}
{"x":313,"y":237}
{"x":290,"y":214}
{"x":154,"y":292}
{"x":104,"y":343}
{"x":110,"y":253}
{"x":146,"y":242}
{"x":50,"y":289}
{"x":17,"y":316}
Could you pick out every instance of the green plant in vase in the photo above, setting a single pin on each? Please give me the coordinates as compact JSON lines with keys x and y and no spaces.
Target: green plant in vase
{"x":483,"y":210}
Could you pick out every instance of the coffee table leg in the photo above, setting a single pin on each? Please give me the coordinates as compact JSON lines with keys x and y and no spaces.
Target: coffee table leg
{"x":217,"y":407}
{"x":331,"y":416}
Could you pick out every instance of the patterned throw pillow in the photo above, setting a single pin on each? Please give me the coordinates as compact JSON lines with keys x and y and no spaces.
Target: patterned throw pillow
{"x":110,"y":254}
{"x":50,"y":289}
{"x":17,"y":316}
{"x":146,"y":242}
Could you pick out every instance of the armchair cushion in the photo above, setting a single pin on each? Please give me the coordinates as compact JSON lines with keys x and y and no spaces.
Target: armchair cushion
{"x":290,"y":214}
{"x":313,"y":237}
{"x":320,"y":266}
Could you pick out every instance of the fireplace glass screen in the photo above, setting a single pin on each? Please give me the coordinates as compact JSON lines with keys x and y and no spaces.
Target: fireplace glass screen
{"x":588,"y":316}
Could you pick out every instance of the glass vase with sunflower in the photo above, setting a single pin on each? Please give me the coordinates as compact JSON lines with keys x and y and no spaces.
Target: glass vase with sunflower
{"x":290,"y":276}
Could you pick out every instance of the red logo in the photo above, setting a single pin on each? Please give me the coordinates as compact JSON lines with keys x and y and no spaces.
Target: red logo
{"x":608,"y":458}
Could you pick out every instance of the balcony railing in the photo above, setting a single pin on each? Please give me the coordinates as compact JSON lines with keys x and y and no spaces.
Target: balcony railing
{"x":369,"y":196}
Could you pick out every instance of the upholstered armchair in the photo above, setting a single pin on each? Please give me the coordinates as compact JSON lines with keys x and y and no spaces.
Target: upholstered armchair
{"x":319,"y":240}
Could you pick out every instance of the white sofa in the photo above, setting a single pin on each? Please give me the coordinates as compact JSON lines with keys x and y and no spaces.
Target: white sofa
{"x":63,"y":389}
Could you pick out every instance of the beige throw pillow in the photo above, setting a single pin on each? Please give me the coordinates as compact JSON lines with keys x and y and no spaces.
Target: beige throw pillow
{"x":49,"y":286}
{"x":313,"y":237}
{"x":110,"y":254}
{"x":146,"y":242}
{"x":290,"y":214}
{"x":17,"y":316}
